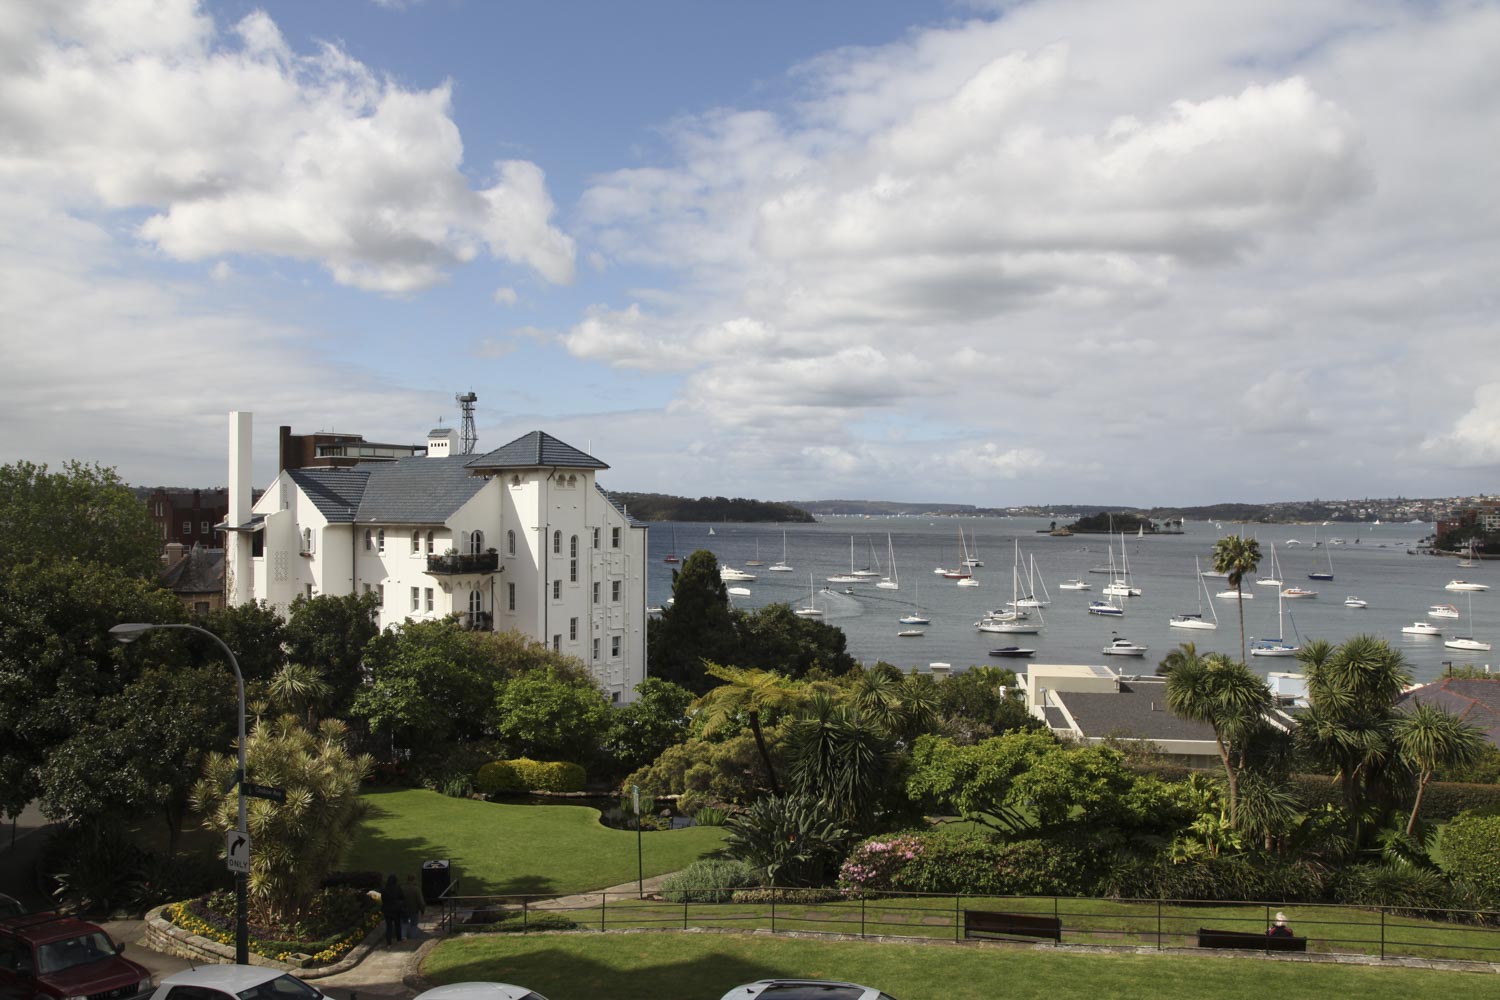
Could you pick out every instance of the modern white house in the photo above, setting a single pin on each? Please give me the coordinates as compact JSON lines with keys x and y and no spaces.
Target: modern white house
{"x":520,"y":538}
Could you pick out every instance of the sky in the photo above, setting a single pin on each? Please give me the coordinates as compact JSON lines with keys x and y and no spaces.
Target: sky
{"x":1049,"y":252}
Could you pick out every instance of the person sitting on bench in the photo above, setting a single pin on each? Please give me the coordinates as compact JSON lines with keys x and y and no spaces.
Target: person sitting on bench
{"x":1279,"y":928}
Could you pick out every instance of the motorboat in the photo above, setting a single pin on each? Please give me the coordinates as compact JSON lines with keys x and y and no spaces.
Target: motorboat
{"x":967,"y":581}
{"x":1355,"y":602}
{"x":1075,"y":585}
{"x":1422,"y":628}
{"x":914,"y":619}
{"x":1105,"y":608}
{"x":1466,"y":585}
{"x":1467,"y":642}
{"x":1443,"y":611}
{"x":1298,"y":593}
{"x":731,"y":575}
{"x":1120,"y":646}
{"x":1012,"y":651}
{"x":911,"y":633}
{"x":1234,"y":595}
{"x":739,"y":591}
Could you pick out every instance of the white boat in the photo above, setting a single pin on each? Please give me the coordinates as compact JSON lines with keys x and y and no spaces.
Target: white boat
{"x":1468,"y":642}
{"x":757,"y":560}
{"x":1355,"y":602}
{"x":910,"y":633}
{"x":1131,"y":590}
{"x":780,"y":567}
{"x":967,"y":581}
{"x":1190,"y":620}
{"x":892,"y":582}
{"x":731,"y":575}
{"x":1075,"y":585}
{"x":810,"y":609}
{"x":1298,"y":594}
{"x":1443,"y":611}
{"x":1467,"y":561}
{"x":710,"y":531}
{"x":1105,"y":608}
{"x":1014,"y":622}
{"x":739,"y":591}
{"x":1234,"y":595}
{"x":872,"y":568}
{"x":848,"y":577}
{"x":971,"y":555}
{"x":1277,"y":646}
{"x":1465,"y":585}
{"x":915,"y":616}
{"x":1274,"y":580}
{"x":1120,"y":646}
{"x":1422,"y":628}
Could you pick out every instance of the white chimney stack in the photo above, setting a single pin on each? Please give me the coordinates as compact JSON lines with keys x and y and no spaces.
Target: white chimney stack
{"x":238,"y":577}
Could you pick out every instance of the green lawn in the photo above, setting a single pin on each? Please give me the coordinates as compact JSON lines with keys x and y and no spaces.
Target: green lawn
{"x":705,"y":966}
{"x":499,"y":848}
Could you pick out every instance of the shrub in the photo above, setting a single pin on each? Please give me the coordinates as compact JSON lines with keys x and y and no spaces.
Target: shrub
{"x":708,"y":881}
{"x":1227,"y":877}
{"x":791,"y":839}
{"x":1470,"y":849}
{"x":804,"y":897}
{"x":498,"y":776}
{"x":524,"y":774}
{"x":1400,"y":886}
{"x":942,"y":862}
{"x":710,"y":816}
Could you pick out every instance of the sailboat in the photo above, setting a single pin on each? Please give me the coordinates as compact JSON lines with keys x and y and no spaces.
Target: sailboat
{"x":1014,"y":622}
{"x":1277,"y":646}
{"x":1274,"y":580}
{"x":756,"y":561}
{"x":780,"y":567}
{"x":1120,"y":586}
{"x":1321,"y":575}
{"x":1468,"y":641}
{"x":1190,"y":620}
{"x":811,"y":609}
{"x":867,"y":573}
{"x":915,"y":617}
{"x":848,"y":577}
{"x":971,"y":555}
{"x":892,"y":582}
{"x":963,"y":570}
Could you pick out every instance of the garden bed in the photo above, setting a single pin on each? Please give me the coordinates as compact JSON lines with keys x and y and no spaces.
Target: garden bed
{"x":205,"y":927}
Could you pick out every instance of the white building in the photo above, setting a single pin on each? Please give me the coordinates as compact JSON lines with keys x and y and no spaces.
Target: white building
{"x":519,"y":538}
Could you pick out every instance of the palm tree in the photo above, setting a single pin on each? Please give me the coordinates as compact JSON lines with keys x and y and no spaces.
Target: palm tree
{"x":299,"y":688}
{"x":1225,"y":695}
{"x":1428,"y":738}
{"x":749,"y":693}
{"x":835,"y":754}
{"x":1237,"y":556}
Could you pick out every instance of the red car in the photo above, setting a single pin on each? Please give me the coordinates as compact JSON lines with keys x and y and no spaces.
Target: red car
{"x":46,"y":956}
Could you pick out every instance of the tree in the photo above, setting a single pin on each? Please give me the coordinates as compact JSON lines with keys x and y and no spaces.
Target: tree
{"x":298,"y":689}
{"x":553,"y":714}
{"x":792,"y":840}
{"x":1226,"y":696}
{"x":1237,"y":556}
{"x":1350,"y":722}
{"x":640,"y":731}
{"x":977,"y":781}
{"x":1429,"y":738}
{"x":330,"y":632}
{"x":697,"y":626}
{"x":83,"y":513}
{"x":299,"y":841}
{"x":837,"y":755}
{"x":747,"y":693}
{"x":775,"y":638}
{"x":255,"y":631}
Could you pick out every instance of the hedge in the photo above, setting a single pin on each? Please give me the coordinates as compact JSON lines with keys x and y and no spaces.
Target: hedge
{"x":1471,"y":849}
{"x":526,"y":775}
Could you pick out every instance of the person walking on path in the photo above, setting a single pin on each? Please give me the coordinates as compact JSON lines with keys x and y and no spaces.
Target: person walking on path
{"x":391,"y":908}
{"x":415,"y":904}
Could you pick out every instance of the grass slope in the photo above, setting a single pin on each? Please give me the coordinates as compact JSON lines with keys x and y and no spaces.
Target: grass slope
{"x":500,"y":848}
{"x":705,"y":966}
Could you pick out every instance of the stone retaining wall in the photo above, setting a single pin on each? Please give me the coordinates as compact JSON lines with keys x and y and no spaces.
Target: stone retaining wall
{"x":166,"y":937}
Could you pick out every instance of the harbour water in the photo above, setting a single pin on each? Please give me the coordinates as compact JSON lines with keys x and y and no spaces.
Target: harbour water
{"x":1370,"y":561}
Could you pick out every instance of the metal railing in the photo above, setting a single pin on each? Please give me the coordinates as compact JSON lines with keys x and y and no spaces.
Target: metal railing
{"x":451,"y":563}
{"x":1383,"y":932}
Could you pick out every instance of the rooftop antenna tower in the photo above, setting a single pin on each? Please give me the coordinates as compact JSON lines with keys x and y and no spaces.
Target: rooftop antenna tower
{"x":467,"y":435}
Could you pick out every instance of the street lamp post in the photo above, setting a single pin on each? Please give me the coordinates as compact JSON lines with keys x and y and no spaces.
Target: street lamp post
{"x":129,"y":632}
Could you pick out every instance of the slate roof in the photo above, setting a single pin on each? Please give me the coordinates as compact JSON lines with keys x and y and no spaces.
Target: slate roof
{"x":335,"y":492}
{"x":1139,"y":708}
{"x":1474,"y":700}
{"x":617,"y":505}
{"x":417,"y":490}
{"x":537,"y":450}
{"x":199,"y":571}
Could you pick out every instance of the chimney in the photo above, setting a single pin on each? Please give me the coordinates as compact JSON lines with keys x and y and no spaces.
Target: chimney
{"x":239,"y":467}
{"x":174,"y":554}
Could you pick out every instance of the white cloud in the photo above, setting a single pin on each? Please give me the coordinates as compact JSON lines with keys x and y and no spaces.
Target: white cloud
{"x":506,"y":296}
{"x":1474,"y":439}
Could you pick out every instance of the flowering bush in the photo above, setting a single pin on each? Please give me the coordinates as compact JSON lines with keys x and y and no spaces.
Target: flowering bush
{"x":943,"y":862}
{"x":340,"y":920}
{"x":880,"y":862}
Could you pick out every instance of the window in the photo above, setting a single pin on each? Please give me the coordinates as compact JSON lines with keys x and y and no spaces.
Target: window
{"x":187,"y":527}
{"x":572,"y":629}
{"x":596,"y":591}
{"x":596,"y":648}
{"x":203,"y":528}
{"x":427,"y":596}
{"x":164,"y":530}
{"x":614,"y":538}
{"x":614,"y":647}
{"x":557,"y":644}
{"x":369,"y":539}
{"x":200,"y":607}
{"x":306,"y":541}
{"x":510,"y":594}
{"x":614,"y":590}
{"x":573,"y":560}
{"x":158,"y":508}
{"x":367,"y":588}
{"x":429,"y":543}
{"x":510,"y":542}
{"x":380,"y":541}
{"x":596,"y":538}
{"x":416,"y":542}
{"x":476,"y":543}
{"x":416,"y":599}
{"x":557,"y":543}
{"x":308,"y":591}
{"x":476,"y":602}
{"x":380,"y":595}
{"x":557,"y":590}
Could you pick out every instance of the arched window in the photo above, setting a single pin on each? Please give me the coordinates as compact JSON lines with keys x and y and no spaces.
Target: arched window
{"x":557,"y":543}
{"x":476,"y":543}
{"x":510,"y":542}
{"x":369,"y":539}
{"x":476,"y":607}
{"x":416,"y":542}
{"x":429,"y":543}
{"x":307,"y":540}
{"x":573,"y":559}
{"x":380,"y":541}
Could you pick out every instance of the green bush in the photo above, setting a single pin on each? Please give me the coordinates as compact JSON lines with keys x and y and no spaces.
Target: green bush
{"x":526,"y":775}
{"x":1470,"y":849}
{"x":802,"y":897}
{"x":1400,"y":886}
{"x":1227,"y":877}
{"x":710,"y":816}
{"x":938,"y":861}
{"x":707,"y":881}
{"x":511,"y":923}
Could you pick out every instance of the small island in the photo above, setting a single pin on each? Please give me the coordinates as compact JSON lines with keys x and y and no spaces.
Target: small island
{"x":660,"y":507}
{"x":1118,"y":522}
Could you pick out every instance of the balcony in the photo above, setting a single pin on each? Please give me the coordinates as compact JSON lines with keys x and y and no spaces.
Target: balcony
{"x":451,"y":565}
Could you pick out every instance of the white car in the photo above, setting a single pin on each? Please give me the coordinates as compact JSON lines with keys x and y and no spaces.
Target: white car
{"x":479,"y":991}
{"x":803,"y":989}
{"x":234,"y":982}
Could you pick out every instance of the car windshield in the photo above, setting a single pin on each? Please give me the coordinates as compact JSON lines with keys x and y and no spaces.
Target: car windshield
{"x":281,"y":988}
{"x":55,"y":956}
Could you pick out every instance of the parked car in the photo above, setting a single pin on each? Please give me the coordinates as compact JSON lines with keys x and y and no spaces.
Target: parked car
{"x":226,"y":982}
{"x":804,"y":989}
{"x":46,"y":955}
{"x":479,"y":991}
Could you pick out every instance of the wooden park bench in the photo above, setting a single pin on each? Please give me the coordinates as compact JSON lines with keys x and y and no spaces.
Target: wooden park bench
{"x":1208,"y":938}
{"x":991,"y":923}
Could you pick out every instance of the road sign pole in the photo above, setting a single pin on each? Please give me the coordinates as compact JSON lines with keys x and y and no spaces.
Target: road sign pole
{"x":640,"y":871}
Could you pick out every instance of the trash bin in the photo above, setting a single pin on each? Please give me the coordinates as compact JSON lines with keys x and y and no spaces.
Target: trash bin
{"x":437,"y":875}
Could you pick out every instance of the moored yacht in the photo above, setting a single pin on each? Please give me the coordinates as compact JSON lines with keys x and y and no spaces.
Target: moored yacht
{"x":1443,"y":611}
{"x":1422,"y":628}
{"x":1466,"y":585}
{"x":1120,"y":646}
{"x":731,"y":575}
{"x":1075,"y":585}
{"x":1298,"y":593}
{"x":1105,"y":608}
{"x":1355,"y":602}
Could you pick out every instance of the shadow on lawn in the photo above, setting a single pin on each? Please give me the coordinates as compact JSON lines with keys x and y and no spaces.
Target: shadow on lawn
{"x":563,"y":975}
